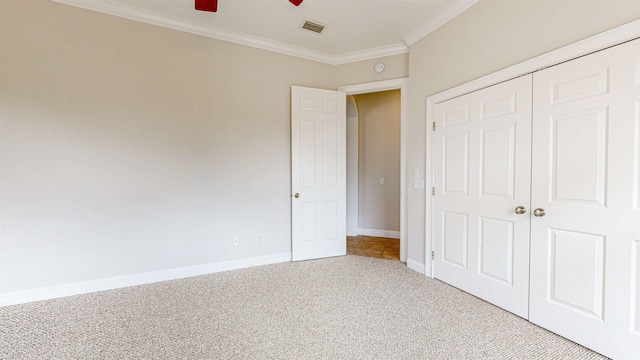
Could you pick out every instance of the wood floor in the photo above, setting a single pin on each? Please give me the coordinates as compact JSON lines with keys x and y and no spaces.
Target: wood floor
{"x":371,"y":246}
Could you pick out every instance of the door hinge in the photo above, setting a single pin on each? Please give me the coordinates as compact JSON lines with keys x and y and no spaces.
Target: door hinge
{"x":434,"y":126}
{"x":433,"y":191}
{"x":433,"y":255}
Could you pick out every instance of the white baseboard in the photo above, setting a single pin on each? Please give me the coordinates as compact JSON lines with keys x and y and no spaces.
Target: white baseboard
{"x":415,"y":266}
{"x":379,"y":233}
{"x":352,"y":232}
{"x":21,"y":297}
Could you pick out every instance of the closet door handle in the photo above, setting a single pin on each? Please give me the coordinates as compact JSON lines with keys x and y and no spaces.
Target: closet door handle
{"x":539,"y":212}
{"x":521,"y":210}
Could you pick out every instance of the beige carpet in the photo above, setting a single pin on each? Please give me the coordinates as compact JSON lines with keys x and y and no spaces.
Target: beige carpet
{"x":341,"y":308}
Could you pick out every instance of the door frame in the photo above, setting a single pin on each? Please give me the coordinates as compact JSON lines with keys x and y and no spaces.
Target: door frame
{"x":356,"y":186}
{"x":402,"y":85}
{"x":597,"y":42}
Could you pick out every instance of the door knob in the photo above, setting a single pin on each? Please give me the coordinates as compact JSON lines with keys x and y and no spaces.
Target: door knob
{"x":521,"y":210}
{"x":296,"y":195}
{"x":539,"y":212}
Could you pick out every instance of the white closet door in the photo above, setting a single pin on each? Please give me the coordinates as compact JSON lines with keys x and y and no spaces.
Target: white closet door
{"x":585,"y":251}
{"x":482,"y":165}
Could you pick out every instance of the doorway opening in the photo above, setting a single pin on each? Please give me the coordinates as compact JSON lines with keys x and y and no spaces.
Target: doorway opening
{"x":376,"y":138}
{"x":373,"y":174}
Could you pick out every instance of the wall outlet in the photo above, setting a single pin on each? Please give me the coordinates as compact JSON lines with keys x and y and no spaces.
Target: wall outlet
{"x":260,"y":239}
{"x":236,"y":240}
{"x":381,"y":181}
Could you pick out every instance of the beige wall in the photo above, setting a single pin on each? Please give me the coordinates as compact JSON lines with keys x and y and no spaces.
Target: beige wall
{"x":488,"y":37}
{"x":379,"y":157}
{"x":127,"y":147}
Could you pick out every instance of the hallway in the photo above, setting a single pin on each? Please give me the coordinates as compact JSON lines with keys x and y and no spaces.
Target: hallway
{"x":371,"y":246}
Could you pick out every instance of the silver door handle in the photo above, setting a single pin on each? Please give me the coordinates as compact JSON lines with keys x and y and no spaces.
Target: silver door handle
{"x":521,"y":210}
{"x":539,"y":212}
{"x":296,"y":195}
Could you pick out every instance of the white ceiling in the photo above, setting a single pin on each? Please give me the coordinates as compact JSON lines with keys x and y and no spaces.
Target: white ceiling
{"x":355,"y":29}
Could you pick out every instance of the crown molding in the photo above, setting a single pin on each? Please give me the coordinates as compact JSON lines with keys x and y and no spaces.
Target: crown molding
{"x":442,"y":18}
{"x":369,"y":54}
{"x":175,"y":23}
{"x":163,"y":20}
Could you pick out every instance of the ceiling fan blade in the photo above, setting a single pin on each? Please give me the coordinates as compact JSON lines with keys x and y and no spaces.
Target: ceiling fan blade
{"x":212,"y":5}
{"x":208,"y":5}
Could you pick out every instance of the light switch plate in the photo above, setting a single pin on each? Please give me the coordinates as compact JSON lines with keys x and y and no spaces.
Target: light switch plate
{"x":418,"y":184}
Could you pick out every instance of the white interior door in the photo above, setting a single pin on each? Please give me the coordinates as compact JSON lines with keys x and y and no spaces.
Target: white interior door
{"x":585,"y":251}
{"x":482,"y":165}
{"x":318,"y":165}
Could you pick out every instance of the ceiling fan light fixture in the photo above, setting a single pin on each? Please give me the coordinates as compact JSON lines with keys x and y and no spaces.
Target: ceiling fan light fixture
{"x":207,"y":5}
{"x":296,"y":2}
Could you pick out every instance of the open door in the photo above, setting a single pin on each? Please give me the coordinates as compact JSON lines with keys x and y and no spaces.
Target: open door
{"x":318,"y":173}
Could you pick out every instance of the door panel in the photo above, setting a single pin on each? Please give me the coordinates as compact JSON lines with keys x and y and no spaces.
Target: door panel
{"x":456,"y":163}
{"x":497,"y":165}
{"x":497,"y":107}
{"x":576,"y":270}
{"x":587,"y":85}
{"x":318,"y":165}
{"x":307,"y":154}
{"x":456,"y":115}
{"x":331,"y":158}
{"x":455,"y":241}
{"x":579,"y":143}
{"x":496,"y":249}
{"x":482,"y":161}
{"x":584,"y":259}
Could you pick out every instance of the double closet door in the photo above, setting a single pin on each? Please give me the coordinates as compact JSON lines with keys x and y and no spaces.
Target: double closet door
{"x":537,"y":184}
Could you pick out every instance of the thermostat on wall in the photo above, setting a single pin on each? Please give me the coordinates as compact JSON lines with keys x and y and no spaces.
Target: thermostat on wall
{"x":379,"y":68}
